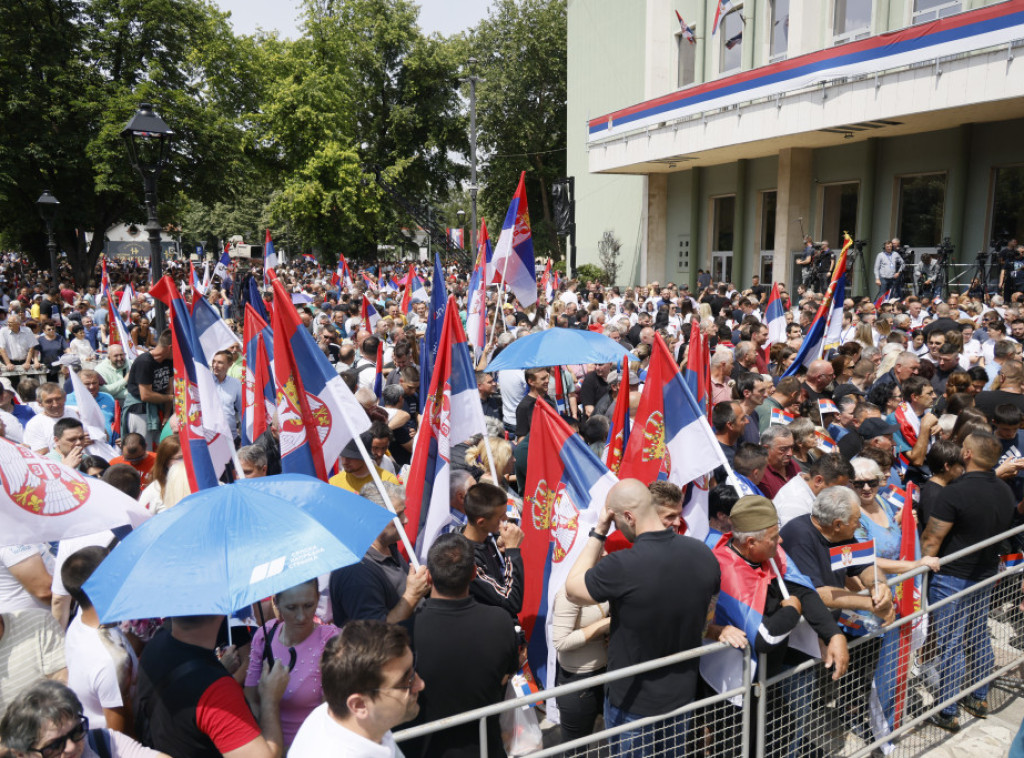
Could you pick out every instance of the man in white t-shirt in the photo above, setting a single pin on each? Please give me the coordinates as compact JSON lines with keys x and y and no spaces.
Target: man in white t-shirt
{"x":39,"y":429}
{"x":25,"y":575}
{"x":370,"y":685}
{"x":101,"y":662}
{"x":31,"y":648}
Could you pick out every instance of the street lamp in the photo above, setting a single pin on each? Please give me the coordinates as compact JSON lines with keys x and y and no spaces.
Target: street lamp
{"x":47,"y":205}
{"x":149,"y":148}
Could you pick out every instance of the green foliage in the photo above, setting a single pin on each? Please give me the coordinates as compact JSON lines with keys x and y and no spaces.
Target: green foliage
{"x":521,"y":108}
{"x":590,"y":272}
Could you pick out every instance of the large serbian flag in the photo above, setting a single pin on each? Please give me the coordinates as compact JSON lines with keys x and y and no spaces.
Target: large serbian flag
{"x":775,"y":317}
{"x":513,"y":262}
{"x":452,"y":414}
{"x":207,"y":442}
{"x":618,"y":433}
{"x":318,"y":413}
{"x":671,"y":438}
{"x":566,"y":486}
{"x":259,"y":378}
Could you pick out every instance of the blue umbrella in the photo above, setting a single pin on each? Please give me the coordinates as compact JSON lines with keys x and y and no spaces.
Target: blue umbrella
{"x":558,"y":347}
{"x":226,"y":547}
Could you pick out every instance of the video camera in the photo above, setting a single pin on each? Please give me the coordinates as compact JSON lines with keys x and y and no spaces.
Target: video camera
{"x":944,"y":252}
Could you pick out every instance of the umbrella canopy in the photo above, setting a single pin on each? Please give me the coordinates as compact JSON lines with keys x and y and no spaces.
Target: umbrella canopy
{"x":223,"y":548}
{"x":42,"y":500}
{"x":558,"y":347}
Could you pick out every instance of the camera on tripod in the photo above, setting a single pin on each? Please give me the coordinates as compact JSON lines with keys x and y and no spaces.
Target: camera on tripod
{"x":944,"y":252}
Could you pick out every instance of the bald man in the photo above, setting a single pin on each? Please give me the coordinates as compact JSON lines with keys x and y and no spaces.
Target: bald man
{"x":650,"y":617}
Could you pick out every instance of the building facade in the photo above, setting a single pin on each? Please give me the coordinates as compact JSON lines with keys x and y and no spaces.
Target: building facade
{"x":722,"y":149}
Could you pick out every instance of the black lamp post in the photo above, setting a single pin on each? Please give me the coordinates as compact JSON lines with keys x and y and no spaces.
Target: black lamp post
{"x":47,"y":205}
{"x":149,"y":148}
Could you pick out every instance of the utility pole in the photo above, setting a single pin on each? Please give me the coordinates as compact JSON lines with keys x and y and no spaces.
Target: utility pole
{"x":472,"y":79}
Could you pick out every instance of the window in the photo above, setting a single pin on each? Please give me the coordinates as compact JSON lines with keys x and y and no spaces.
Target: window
{"x":839,"y":212}
{"x":730,"y":32}
{"x":930,"y":10}
{"x":780,"y":30}
{"x":768,"y":205}
{"x":922,"y":201}
{"x":1008,"y":204}
{"x":723,"y":212}
{"x":685,"y":75}
{"x":852,"y":20}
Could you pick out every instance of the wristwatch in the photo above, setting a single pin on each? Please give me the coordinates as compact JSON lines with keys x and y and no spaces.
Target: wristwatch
{"x":597,"y":535}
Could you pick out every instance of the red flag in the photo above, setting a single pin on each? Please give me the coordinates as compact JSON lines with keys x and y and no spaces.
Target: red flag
{"x":619,"y":435}
{"x":907,"y":601}
{"x":698,"y":365}
{"x":262,"y":375}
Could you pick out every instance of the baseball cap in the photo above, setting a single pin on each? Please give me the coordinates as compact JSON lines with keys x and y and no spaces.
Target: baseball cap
{"x":876,"y":427}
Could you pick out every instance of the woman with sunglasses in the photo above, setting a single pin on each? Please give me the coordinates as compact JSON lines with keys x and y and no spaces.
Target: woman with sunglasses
{"x":880,"y":521}
{"x":46,"y":720}
{"x":298,"y":640}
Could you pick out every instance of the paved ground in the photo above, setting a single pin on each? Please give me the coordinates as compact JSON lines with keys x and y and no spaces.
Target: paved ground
{"x":981,"y":738}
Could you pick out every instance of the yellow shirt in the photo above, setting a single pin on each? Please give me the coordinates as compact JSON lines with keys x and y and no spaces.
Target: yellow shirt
{"x":354,"y":483}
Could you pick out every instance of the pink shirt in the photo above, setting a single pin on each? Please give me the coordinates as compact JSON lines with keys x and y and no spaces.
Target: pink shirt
{"x":305,"y":691}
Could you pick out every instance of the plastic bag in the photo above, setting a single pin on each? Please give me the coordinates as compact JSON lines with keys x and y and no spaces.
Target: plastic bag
{"x":520,"y":731}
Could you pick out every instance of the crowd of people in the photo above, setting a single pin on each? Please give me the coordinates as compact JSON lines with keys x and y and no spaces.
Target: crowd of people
{"x":926,"y":391}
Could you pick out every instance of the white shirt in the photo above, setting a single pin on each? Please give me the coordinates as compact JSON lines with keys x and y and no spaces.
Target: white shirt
{"x":321,"y":736}
{"x":16,"y":346}
{"x":513,"y":389}
{"x":39,"y":429}
{"x":13,"y":596}
{"x":92,"y":671}
{"x":69,"y":547}
{"x":794,"y":499}
{"x":13,"y":430}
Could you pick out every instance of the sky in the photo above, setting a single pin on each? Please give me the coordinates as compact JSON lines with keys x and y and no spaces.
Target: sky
{"x":444,"y":16}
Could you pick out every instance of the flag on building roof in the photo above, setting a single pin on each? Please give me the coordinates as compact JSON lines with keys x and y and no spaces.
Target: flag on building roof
{"x":721,"y":8}
{"x":687,"y":30}
{"x":452,"y":414}
{"x":565,"y":490}
{"x":734,"y":40}
{"x":513,"y":261}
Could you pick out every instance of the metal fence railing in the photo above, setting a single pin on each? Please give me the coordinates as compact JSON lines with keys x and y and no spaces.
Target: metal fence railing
{"x":966,"y":640}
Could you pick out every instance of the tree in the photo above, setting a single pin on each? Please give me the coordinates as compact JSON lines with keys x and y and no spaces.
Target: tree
{"x":608,"y":250}
{"x":521,"y":110}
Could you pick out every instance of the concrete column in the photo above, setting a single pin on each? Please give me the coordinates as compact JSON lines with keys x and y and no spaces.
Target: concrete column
{"x":793,"y":204}
{"x":739,"y":226}
{"x":751,"y":37}
{"x":701,"y":53}
{"x":956,"y":193}
{"x":698,"y":248}
{"x":658,"y":55}
{"x":657,"y":226}
{"x":864,"y":283}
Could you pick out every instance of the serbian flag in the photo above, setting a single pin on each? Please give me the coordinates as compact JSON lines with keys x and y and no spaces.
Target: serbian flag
{"x":414,"y":290}
{"x":779,"y":416}
{"x":269,"y":259}
{"x":457,"y":237}
{"x":741,"y":602}
{"x":513,"y":261}
{"x":698,"y":367}
{"x":882,"y":297}
{"x":212,"y":331}
{"x":452,"y":414}
{"x":117,"y":332}
{"x":318,"y":413}
{"x":221,"y":269}
{"x":127,"y":296}
{"x":856,"y":554}
{"x":476,"y":319}
{"x":825,"y":406}
{"x":368,"y":281}
{"x":618,"y":434}
{"x":545,"y":282}
{"x":908,"y":422}
{"x":369,"y":315}
{"x":258,"y":347}
{"x":207,"y":443}
{"x":197,"y":286}
{"x":775,"y":317}
{"x":687,"y":30}
{"x":336,"y":277}
{"x":721,"y":8}
{"x":671,"y":434}
{"x":557,"y":282}
{"x":432,"y":336}
{"x":378,"y":378}
{"x":908,"y":600}
{"x":834,"y":329}
{"x":825,"y":443}
{"x":309,"y":258}
{"x":565,"y":490}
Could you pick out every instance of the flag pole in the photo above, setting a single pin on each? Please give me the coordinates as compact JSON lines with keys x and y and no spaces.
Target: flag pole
{"x":490,"y":457}
{"x":500,"y":305}
{"x":372,"y":466}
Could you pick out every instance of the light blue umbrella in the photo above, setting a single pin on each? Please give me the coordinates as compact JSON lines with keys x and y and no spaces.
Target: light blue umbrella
{"x":226,"y":547}
{"x":559,"y":347}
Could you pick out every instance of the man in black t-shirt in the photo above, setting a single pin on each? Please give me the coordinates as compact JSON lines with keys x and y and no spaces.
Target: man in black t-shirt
{"x":651,"y":618}
{"x":148,"y":394}
{"x":972,"y":509}
{"x":594,"y":386}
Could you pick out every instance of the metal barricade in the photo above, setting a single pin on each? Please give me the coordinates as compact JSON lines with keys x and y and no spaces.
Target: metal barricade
{"x":965,"y":640}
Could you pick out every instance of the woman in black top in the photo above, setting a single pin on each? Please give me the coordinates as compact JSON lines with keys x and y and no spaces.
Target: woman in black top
{"x":52,"y":345}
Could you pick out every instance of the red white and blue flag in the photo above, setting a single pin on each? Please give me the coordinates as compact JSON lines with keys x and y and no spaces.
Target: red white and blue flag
{"x":212,"y":331}
{"x":882,"y":297}
{"x":378,"y":377}
{"x":221,"y":269}
{"x":545,"y":283}
{"x":775,"y":317}
{"x":513,"y":261}
{"x":432,"y":335}
{"x":309,"y":258}
{"x":908,"y":601}
{"x":476,"y":318}
{"x":368,"y":281}
{"x":826,"y":405}
{"x":834,"y":328}
{"x":258,"y":349}
{"x":318,"y":413}
{"x":414,"y":290}
{"x":457,"y":237}
{"x":207,"y":443}
{"x":687,"y":30}
{"x":848,"y":556}
{"x":671,"y":437}
{"x":618,"y":434}
{"x":370,"y":315}
{"x":721,"y":8}
{"x":698,"y":367}
{"x":117,"y":330}
{"x":452,"y":414}
{"x":269,"y":259}
{"x":565,"y":490}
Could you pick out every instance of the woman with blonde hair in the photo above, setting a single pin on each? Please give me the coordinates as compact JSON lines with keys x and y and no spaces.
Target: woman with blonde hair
{"x":168,"y":454}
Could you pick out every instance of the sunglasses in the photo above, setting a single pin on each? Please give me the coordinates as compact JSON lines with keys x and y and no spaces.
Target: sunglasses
{"x":55,"y":748}
{"x":406,"y":684}
{"x":859,"y":484}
